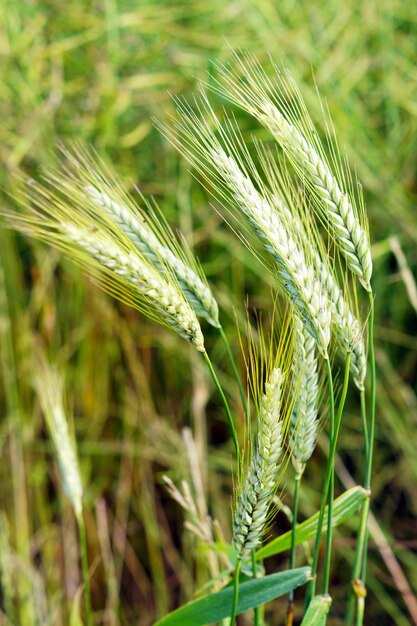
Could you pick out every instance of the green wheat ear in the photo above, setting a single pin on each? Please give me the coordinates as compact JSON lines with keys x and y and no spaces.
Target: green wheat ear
{"x":143,"y":223}
{"x":297,"y":219}
{"x":217,"y":158}
{"x":64,"y":212}
{"x":50,"y":391}
{"x":49,"y":388}
{"x":279,"y":106}
{"x":306,"y":391}
{"x":269,"y":366}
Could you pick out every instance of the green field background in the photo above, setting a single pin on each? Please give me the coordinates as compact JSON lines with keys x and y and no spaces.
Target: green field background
{"x":99,"y":72}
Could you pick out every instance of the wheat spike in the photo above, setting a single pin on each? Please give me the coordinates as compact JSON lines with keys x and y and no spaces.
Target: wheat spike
{"x":305,"y":384}
{"x":295,"y":273}
{"x":250,"y":88}
{"x":345,"y":324}
{"x":257,"y":488}
{"x":145,"y":280}
{"x":140,"y":233}
{"x":198,"y":142}
{"x":48,"y":385}
{"x":349,"y":235}
{"x":60,"y":215}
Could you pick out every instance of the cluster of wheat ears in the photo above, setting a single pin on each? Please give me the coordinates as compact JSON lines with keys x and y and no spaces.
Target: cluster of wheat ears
{"x":302,"y":202}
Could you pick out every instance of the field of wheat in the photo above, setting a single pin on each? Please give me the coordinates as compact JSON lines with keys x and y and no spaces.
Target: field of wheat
{"x":208,"y":313}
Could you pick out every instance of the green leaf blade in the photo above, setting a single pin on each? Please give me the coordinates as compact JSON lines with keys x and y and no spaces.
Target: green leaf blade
{"x":316,"y":614}
{"x":343,"y":507}
{"x":252,"y":593}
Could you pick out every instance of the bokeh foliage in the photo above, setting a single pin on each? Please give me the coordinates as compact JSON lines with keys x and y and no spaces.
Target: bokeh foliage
{"x":98,"y":72}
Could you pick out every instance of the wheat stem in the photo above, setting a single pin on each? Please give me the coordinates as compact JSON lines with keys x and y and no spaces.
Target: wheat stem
{"x":327,"y":563}
{"x":226,"y":406}
{"x":234,"y":367}
{"x":371,"y":439}
{"x":364,"y":421}
{"x":311,"y":586}
{"x":257,"y":611}
{"x":359,"y":567}
{"x":297,"y":482}
{"x":84,"y":568}
{"x":294,"y":522}
{"x":235,"y":592}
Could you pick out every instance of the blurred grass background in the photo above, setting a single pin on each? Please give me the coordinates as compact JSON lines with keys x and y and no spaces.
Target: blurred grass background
{"x":98,"y":72}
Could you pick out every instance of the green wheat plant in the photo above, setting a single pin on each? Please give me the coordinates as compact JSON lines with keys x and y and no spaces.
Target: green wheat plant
{"x":49,"y":388}
{"x":320,"y":295}
{"x":295,"y":204}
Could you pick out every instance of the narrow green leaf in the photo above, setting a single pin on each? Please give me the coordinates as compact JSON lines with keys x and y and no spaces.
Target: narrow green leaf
{"x":252,"y":593}
{"x":316,"y":614}
{"x":343,"y":507}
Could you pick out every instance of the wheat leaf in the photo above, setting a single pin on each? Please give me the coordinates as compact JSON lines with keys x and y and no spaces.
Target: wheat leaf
{"x":316,"y":614}
{"x":252,"y":593}
{"x":344,"y":506}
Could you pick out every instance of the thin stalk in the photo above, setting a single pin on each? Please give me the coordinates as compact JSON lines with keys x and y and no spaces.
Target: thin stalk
{"x":290,"y":609}
{"x":84,"y":569}
{"x":368,"y":473}
{"x":235,"y":593}
{"x":360,"y":613}
{"x":359,"y":566}
{"x":226,"y":406}
{"x":364,"y":421}
{"x":327,"y":561}
{"x":294,"y":522}
{"x":329,"y":537}
{"x":257,"y":609}
{"x":311,"y":585}
{"x":357,"y":584}
{"x":234,"y":367}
